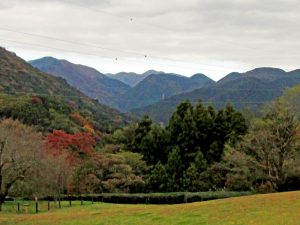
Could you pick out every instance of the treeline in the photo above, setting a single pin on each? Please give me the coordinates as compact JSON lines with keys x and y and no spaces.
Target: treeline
{"x":181,"y":154}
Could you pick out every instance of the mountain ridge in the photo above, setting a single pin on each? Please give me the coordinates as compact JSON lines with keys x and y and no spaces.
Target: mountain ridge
{"x":156,"y":87}
{"x":250,"y":90}
{"x":88,"y":80}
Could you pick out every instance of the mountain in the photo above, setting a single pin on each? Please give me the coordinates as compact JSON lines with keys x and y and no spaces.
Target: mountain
{"x":112,"y":90}
{"x":263,"y":73}
{"x":266,"y":74}
{"x":201,"y":79}
{"x":131,"y":79}
{"x":244,"y":90}
{"x":157,"y":87}
{"x":151,"y":72}
{"x":88,"y":80}
{"x":18,"y":78}
{"x":230,"y":77}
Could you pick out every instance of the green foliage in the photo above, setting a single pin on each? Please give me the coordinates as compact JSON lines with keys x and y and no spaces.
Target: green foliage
{"x":45,"y":113}
{"x":158,"y":178}
{"x":174,"y":169}
{"x":291,"y":100}
{"x":122,"y":172}
{"x":269,"y":155}
{"x":194,"y":140}
{"x":151,"y":141}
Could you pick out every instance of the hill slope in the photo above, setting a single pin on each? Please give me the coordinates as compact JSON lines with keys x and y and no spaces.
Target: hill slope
{"x":156,"y":87}
{"x":248,"y":90}
{"x":266,"y":209}
{"x":86,"y":79}
{"x":17,"y":77}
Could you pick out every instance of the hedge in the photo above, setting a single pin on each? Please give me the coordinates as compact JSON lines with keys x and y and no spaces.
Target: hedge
{"x":152,"y":198}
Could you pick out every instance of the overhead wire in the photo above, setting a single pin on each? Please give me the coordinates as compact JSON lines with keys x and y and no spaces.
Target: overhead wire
{"x":93,"y":45}
{"x":116,"y":59}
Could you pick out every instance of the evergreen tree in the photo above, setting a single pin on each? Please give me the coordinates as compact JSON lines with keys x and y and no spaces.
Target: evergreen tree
{"x":175,"y":169}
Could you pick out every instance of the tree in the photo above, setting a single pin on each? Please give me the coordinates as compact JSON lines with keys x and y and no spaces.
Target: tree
{"x":21,"y":149}
{"x":157,"y":179}
{"x":125,"y":136}
{"x":68,"y":153}
{"x":183,"y":132}
{"x":80,"y":143}
{"x":201,"y":128}
{"x":291,"y":99}
{"x":110,"y":173}
{"x":194,"y":140}
{"x":175,"y":170}
{"x":144,"y":126}
{"x":155,"y":145}
{"x":151,"y":141}
{"x":273,"y":145}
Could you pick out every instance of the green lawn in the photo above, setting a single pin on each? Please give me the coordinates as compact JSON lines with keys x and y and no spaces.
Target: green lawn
{"x":272,"y":209}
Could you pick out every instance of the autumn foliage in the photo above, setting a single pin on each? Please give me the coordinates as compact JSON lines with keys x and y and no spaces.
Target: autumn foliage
{"x":80,"y":143}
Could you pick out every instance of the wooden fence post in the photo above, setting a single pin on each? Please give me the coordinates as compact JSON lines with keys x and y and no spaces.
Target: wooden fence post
{"x":36,"y":207}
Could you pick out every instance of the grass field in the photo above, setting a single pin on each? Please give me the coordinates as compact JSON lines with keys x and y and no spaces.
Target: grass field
{"x":269,"y":209}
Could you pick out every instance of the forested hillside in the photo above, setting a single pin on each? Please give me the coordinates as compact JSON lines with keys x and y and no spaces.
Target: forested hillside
{"x":250,"y":90}
{"x":157,"y":87}
{"x":18,"y":78}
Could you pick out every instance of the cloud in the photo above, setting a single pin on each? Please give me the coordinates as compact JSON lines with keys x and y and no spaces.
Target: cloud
{"x":250,"y":33}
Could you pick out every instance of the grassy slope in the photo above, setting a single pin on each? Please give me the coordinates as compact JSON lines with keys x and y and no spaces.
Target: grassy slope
{"x":281,"y":208}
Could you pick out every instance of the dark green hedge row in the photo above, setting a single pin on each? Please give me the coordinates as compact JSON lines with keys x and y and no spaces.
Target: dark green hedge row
{"x":155,"y":198}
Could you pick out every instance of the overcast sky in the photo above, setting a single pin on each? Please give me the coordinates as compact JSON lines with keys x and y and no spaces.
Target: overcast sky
{"x":214,"y":37}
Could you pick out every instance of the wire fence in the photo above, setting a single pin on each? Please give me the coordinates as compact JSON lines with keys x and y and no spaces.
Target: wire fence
{"x":34,"y":207}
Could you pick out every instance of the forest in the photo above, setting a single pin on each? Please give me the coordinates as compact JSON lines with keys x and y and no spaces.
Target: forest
{"x":46,"y":149}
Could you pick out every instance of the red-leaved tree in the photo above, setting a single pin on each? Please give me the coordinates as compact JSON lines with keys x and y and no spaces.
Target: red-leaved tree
{"x":67,"y":149}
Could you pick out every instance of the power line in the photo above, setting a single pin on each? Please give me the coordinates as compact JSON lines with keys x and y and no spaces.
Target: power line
{"x":72,"y":42}
{"x":116,"y":59}
{"x":142,"y":55}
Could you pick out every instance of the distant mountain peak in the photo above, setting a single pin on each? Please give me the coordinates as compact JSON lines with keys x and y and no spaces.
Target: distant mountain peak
{"x":267,"y":69}
{"x":266,"y":73}
{"x":46,"y":59}
{"x":201,"y":78}
{"x":150,"y":72}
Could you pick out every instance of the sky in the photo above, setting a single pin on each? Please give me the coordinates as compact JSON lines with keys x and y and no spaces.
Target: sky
{"x":214,"y":37}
